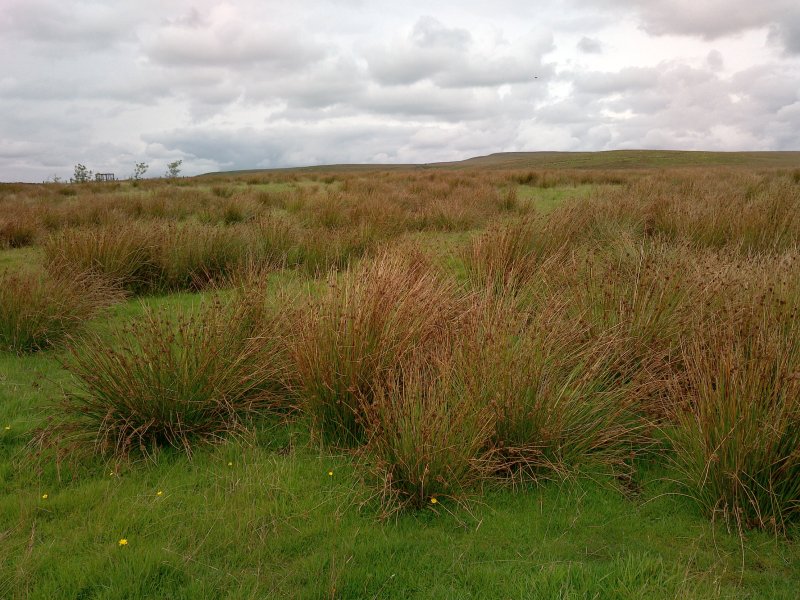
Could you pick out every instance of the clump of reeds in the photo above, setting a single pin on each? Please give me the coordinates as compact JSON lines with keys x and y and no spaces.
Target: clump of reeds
{"x":366,"y":324}
{"x":508,"y":201}
{"x":122,"y":255}
{"x":147,"y":258}
{"x":557,"y":399}
{"x":193,"y":257}
{"x":503,"y":256}
{"x":171,"y":380}
{"x":18,"y":231}
{"x":428,"y":433}
{"x":320,"y":251}
{"x":509,"y":395}
{"x":652,"y":295}
{"x":275,"y":241}
{"x":38,"y":310}
{"x":736,"y":442}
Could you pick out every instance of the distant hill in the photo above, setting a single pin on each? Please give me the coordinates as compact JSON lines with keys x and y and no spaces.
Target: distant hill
{"x":627,"y":159}
{"x":612,"y":159}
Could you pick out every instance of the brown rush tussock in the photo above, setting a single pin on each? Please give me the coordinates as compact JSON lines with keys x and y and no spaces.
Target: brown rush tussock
{"x":353,"y":339}
{"x":168,"y":379}
{"x":558,"y":398}
{"x":38,"y":310}
{"x":428,"y":433}
{"x":736,"y":443}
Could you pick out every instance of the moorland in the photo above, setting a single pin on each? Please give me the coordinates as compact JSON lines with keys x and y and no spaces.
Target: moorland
{"x":536,"y":375}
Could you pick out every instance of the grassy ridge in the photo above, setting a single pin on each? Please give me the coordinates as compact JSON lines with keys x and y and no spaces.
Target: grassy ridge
{"x":632,"y":159}
{"x":611,"y":159}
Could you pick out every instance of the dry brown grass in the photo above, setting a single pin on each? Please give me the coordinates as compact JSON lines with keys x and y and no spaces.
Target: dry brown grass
{"x":171,"y":380}
{"x":39,"y":310}
{"x":555,"y":389}
{"x":739,"y":210}
{"x":736,"y":441}
{"x":428,"y":433}
{"x":366,"y":325}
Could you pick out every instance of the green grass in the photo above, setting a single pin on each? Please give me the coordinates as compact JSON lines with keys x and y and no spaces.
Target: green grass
{"x":25,"y":382}
{"x":245,"y":521}
{"x":546,"y":200}
{"x":261,"y":517}
{"x":22,"y":259}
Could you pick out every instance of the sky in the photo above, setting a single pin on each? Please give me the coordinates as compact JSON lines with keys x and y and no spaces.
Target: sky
{"x":260,"y":84}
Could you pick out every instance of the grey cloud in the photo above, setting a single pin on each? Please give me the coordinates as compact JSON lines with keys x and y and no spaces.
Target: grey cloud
{"x":91,"y":24}
{"x":392,"y":66}
{"x":229,"y":43}
{"x":677,"y":106}
{"x":787,"y":32}
{"x":590,"y":45}
{"x":285,"y":144}
{"x":783,"y":128}
{"x":424,"y":100}
{"x":328,"y":83}
{"x":714,"y":60}
{"x":652,"y":91}
{"x":710,"y":19}
{"x":606,"y":83}
{"x":450,"y":58}
{"x":429,"y":32}
{"x":11,"y":148}
{"x":565,"y":112}
{"x":491,"y":73}
{"x":769,"y":89}
{"x":713,"y":19}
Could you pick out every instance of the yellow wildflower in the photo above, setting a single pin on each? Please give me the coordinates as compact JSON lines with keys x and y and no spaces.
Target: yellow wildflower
{"x":44,"y":496}
{"x":434,"y":501}
{"x":8,"y":427}
{"x":159,"y":493}
{"x":230,"y":464}
{"x":330,"y":473}
{"x":123,"y":542}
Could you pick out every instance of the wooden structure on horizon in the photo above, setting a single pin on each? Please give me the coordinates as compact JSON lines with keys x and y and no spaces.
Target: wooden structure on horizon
{"x":104,"y":177}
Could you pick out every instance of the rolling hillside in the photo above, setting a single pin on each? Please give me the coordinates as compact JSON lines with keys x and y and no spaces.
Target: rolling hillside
{"x":613,"y":159}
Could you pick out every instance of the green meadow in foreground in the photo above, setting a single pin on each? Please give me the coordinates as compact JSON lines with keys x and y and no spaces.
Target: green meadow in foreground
{"x":505,"y":381}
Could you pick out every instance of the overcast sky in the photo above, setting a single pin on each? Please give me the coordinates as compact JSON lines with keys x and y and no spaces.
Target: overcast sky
{"x":252,"y":84}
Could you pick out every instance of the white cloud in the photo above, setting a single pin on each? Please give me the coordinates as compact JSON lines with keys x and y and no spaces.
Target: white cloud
{"x":227,"y":37}
{"x":451,"y":57}
{"x":267,"y":83}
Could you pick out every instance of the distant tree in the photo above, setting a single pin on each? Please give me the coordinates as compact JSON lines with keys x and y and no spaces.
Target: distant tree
{"x":82,"y":174}
{"x":174,"y":168}
{"x":139,"y":170}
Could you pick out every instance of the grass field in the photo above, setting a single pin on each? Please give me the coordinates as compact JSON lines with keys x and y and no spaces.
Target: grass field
{"x":530,"y":376}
